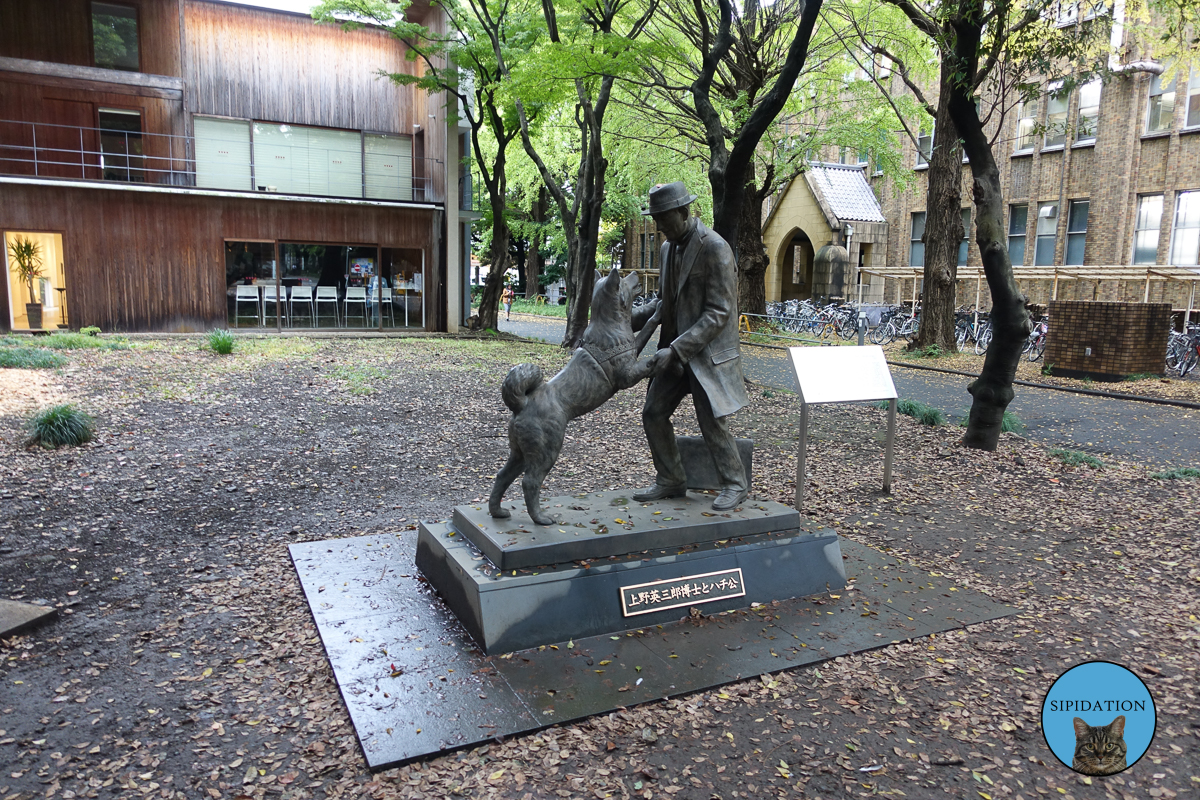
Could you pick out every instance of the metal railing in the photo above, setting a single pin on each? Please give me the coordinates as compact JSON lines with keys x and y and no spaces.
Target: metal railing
{"x":41,"y":149}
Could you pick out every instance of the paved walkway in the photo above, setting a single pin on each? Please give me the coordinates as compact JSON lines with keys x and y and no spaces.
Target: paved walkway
{"x":1156,"y":436}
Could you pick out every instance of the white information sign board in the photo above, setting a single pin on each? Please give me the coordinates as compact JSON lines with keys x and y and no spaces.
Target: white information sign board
{"x":842,"y":375}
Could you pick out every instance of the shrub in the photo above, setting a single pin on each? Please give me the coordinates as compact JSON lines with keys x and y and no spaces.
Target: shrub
{"x":1183,"y":473}
{"x":61,"y":425}
{"x":928,"y":351}
{"x":1140,"y":376}
{"x":220,"y":341}
{"x":69,"y":341}
{"x":90,"y":330}
{"x":1074,"y":458}
{"x":29,"y":358}
{"x":926,"y":415}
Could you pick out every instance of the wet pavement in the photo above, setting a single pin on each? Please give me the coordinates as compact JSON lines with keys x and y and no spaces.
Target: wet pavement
{"x":1156,"y":436}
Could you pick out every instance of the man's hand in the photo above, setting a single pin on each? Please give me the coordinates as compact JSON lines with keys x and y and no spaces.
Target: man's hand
{"x":664,"y":362}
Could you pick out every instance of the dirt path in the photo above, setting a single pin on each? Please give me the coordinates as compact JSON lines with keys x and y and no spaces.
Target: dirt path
{"x":185,"y":663}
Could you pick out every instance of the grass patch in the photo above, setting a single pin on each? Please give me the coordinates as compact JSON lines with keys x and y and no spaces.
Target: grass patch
{"x":1075,"y":458}
{"x":922,"y":413}
{"x":220,"y":341}
{"x":81,"y":341}
{"x":29,"y":358}
{"x":359,"y":380}
{"x":1140,"y":376}
{"x":90,"y":330}
{"x":1184,"y":473}
{"x":928,"y":351}
{"x":1012,"y":423}
{"x":59,"y":426}
{"x":280,"y":346}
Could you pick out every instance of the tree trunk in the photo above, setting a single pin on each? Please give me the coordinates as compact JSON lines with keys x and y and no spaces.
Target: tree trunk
{"x":943,"y":227}
{"x":751,"y":255}
{"x":493,"y":285}
{"x":534,"y":263}
{"x":992,"y":391}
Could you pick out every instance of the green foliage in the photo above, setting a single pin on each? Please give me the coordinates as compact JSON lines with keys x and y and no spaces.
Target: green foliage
{"x":1048,"y":369}
{"x":220,"y":341}
{"x":26,"y":256}
{"x":79,"y":341}
{"x":90,"y":330}
{"x":29,"y":358}
{"x":359,"y":380}
{"x":928,"y":351}
{"x":1011,"y":423}
{"x":922,"y":413}
{"x":1075,"y":458}
{"x":1184,"y":473}
{"x":1140,"y":376}
{"x":62,"y":425}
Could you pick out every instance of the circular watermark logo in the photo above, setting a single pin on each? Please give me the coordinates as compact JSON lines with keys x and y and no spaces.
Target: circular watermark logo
{"x":1098,"y":718}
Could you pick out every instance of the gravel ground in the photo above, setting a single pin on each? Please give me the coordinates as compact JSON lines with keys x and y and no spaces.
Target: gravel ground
{"x":186,"y":664}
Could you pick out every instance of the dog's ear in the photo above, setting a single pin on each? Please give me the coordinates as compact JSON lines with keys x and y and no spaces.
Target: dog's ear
{"x":599,"y":276}
{"x":614,"y":275}
{"x":632,"y":281}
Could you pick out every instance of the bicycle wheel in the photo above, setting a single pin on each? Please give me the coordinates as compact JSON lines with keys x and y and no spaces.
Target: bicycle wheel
{"x":1189,"y":360}
{"x":985,"y":338}
{"x":878,"y":333}
{"x":849,"y":328}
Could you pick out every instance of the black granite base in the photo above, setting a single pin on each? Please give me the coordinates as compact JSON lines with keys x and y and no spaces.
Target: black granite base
{"x":415,"y":684}
{"x":516,"y":609}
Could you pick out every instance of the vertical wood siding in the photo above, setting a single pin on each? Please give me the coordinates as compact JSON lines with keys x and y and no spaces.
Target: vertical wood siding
{"x":139,"y":261}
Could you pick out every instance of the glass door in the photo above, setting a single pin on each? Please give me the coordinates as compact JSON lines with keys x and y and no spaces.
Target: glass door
{"x":37,"y":288}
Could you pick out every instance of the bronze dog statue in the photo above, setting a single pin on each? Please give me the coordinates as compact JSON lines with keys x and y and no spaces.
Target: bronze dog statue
{"x":605,"y":362}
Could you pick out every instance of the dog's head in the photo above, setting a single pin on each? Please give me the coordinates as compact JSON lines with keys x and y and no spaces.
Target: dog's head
{"x":613,"y":297}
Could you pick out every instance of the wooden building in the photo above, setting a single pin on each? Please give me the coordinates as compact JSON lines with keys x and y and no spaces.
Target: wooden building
{"x":179,"y":163}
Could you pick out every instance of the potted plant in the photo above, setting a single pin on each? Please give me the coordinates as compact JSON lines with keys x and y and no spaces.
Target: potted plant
{"x":26,"y":257}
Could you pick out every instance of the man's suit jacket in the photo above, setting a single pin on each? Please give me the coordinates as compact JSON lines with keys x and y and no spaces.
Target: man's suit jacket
{"x":703,"y":329}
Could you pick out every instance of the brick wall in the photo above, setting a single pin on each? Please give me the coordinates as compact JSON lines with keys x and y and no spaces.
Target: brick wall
{"x":1124,"y":339}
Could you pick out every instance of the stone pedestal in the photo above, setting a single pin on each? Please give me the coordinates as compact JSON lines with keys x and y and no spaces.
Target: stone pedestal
{"x":612,"y":565}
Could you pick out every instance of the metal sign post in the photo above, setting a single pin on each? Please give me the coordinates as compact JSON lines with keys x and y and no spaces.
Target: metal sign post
{"x":842,"y":375}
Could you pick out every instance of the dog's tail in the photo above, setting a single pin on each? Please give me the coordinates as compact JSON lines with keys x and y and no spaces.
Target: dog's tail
{"x":517,"y":384}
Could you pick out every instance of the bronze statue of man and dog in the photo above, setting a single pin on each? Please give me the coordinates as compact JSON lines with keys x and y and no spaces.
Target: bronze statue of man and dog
{"x":697,"y":354}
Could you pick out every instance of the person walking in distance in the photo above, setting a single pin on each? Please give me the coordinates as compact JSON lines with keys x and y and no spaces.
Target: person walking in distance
{"x":507,"y":297}
{"x":698,"y":349}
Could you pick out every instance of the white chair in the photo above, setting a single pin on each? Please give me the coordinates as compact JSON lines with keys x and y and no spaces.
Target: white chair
{"x":246,"y":294}
{"x":302,"y":294}
{"x":328,"y":294}
{"x":385,"y":299}
{"x":272,"y":294}
{"x":355,"y":294}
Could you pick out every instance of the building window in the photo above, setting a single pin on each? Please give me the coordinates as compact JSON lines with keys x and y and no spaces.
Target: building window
{"x":1026,"y":123}
{"x":916,"y":247}
{"x":924,"y":148}
{"x":114,"y":36}
{"x":965,"y":244}
{"x":1057,"y":100}
{"x":387,"y":166}
{"x":121,"y":145}
{"x":222,"y":153}
{"x":297,"y":159}
{"x":1162,"y":105}
{"x":1145,"y":234}
{"x":1047,"y":234}
{"x":1193,"y":100}
{"x":1018,"y":216}
{"x":1089,"y":111}
{"x":1076,"y":232}
{"x":1185,"y":237}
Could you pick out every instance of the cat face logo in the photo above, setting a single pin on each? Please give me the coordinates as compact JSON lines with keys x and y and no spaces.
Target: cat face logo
{"x":1098,"y":718}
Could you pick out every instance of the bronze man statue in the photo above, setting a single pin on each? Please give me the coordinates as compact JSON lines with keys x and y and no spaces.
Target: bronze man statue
{"x":698,"y":349}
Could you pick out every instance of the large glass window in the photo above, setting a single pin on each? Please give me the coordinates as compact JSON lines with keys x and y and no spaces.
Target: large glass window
{"x":1089,"y":112}
{"x":965,"y":244}
{"x":1047,"y":234}
{"x":1018,"y":217}
{"x":1161,"y":108}
{"x":1185,"y":237}
{"x":222,"y":153}
{"x":115,"y":36}
{"x":1193,"y":99}
{"x":388,"y":166}
{"x":916,"y":247}
{"x":1026,"y":123}
{"x":36,"y":303}
{"x":1057,"y":101}
{"x":121,"y":145}
{"x":1146,"y":229}
{"x":1076,"y":232}
{"x":297,"y":159}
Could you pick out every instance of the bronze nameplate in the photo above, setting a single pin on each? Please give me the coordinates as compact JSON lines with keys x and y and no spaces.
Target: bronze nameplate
{"x":676,"y":592}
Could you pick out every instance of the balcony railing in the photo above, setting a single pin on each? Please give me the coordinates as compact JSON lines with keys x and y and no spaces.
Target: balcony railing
{"x":99,"y":154}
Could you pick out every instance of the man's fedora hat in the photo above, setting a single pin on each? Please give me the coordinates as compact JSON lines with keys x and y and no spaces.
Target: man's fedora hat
{"x":666,"y":196}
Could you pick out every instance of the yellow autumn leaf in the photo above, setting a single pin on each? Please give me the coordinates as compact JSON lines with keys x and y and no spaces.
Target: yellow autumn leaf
{"x":495,"y":776}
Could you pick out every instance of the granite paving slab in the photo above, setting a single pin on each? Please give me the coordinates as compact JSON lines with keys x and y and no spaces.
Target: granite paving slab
{"x":416,"y":685}
{"x":602,"y":524}
{"x":17,"y":617}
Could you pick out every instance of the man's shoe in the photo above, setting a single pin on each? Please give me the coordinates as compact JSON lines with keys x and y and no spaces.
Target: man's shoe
{"x":657,"y":492}
{"x":730,"y":498}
